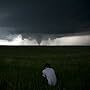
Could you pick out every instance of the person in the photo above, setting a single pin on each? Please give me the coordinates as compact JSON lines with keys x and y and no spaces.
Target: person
{"x":49,"y":74}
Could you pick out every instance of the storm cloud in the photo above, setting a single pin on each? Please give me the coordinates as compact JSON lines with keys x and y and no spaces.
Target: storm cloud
{"x":21,"y":17}
{"x":47,"y":40}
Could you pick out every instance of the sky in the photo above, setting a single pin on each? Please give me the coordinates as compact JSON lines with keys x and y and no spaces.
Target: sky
{"x":44,"y":16}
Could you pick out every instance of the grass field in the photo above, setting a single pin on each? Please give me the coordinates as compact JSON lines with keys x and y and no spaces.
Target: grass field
{"x":21,"y":67}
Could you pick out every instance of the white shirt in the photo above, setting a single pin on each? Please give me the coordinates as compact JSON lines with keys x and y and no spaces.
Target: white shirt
{"x":49,"y":74}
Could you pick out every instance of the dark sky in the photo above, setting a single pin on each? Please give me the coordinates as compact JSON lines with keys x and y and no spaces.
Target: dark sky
{"x":44,"y":16}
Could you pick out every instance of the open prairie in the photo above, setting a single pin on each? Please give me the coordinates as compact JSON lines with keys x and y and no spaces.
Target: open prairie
{"x":21,"y":67}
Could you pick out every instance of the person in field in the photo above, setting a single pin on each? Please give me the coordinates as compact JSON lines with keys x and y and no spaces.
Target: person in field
{"x":49,"y":74}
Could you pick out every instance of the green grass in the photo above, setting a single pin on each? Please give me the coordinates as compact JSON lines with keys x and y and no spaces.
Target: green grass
{"x":21,"y":67}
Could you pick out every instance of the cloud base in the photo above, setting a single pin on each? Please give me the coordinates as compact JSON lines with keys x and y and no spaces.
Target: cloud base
{"x":17,"y":40}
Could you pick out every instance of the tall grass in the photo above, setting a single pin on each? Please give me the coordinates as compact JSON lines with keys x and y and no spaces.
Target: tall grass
{"x":23,"y":70}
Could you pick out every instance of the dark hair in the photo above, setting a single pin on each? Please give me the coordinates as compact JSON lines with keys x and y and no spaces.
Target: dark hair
{"x":47,"y":65}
